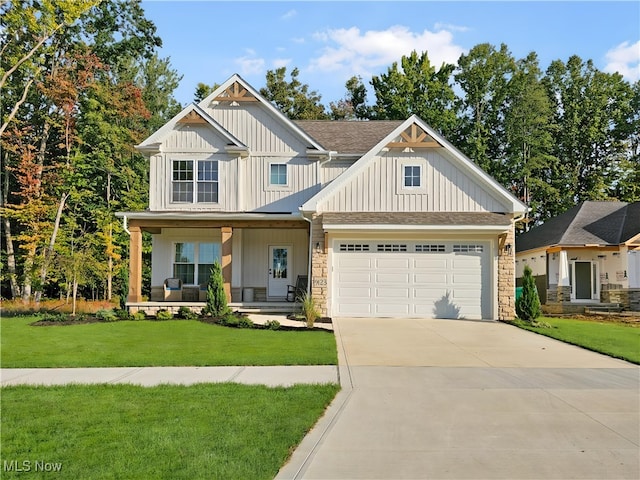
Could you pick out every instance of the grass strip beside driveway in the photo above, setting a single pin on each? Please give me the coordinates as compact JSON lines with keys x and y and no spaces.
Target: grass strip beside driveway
{"x":123,"y":431}
{"x":158,"y":343}
{"x":614,"y":339}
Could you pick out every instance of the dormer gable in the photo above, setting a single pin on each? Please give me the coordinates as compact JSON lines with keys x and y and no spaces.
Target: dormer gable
{"x":192,"y":115}
{"x":382,"y":167}
{"x":237,"y":105}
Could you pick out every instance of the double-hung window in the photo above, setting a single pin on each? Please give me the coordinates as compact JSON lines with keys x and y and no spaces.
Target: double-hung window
{"x":199,"y":176}
{"x":192,"y":261}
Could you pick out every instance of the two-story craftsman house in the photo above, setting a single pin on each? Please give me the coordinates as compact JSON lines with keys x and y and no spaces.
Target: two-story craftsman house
{"x":381,"y":219}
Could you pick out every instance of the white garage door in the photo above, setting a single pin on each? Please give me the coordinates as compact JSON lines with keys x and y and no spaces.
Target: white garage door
{"x":412,"y":279}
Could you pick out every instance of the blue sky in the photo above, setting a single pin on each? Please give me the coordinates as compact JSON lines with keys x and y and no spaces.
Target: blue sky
{"x":329,"y":42}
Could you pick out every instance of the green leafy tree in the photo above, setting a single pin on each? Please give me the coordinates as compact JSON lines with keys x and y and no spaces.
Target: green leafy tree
{"x":528,"y":126}
{"x":528,"y":305}
{"x":416,"y":87}
{"x":354,"y":105}
{"x":483,"y":75}
{"x":292,"y":98}
{"x":203,"y":91}
{"x":216,"y":298}
{"x":592,"y":111}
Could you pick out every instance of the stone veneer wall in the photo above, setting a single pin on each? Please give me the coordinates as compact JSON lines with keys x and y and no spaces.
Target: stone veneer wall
{"x":319,"y":269}
{"x":507,"y":280}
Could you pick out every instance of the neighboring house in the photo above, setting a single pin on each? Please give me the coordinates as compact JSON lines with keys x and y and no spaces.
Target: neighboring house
{"x":386,"y":219}
{"x":588,"y":255}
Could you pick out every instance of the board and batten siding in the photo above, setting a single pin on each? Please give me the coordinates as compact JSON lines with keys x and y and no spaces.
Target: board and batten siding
{"x":259,"y":196}
{"x":255,"y":127}
{"x":378,"y":187}
{"x":333,"y":169}
{"x":255,"y":253}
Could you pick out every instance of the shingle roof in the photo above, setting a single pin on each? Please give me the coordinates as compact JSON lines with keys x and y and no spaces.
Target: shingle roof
{"x":416,"y":218}
{"x":357,"y":137}
{"x":598,"y":223}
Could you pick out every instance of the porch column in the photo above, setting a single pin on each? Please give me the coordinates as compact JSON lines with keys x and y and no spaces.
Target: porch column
{"x":227,"y":248}
{"x":135,"y":265}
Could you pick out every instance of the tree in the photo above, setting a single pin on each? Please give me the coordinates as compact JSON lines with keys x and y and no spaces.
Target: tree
{"x":592,"y":114}
{"x":416,"y":87}
{"x":203,"y":91}
{"x":528,"y":128}
{"x":216,"y":298}
{"x":354,"y":105}
{"x":528,"y":305}
{"x":292,"y":98}
{"x":483,"y":76}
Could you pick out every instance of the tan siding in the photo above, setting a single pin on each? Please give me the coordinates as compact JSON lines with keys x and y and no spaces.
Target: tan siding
{"x":378,"y":187}
{"x":255,"y":248}
{"x":194,"y":138}
{"x":260,"y":196}
{"x":333,"y":169}
{"x":254,"y":126}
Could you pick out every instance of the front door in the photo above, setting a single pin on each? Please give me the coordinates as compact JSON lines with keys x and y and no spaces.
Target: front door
{"x":583,"y":280}
{"x":279,"y":271}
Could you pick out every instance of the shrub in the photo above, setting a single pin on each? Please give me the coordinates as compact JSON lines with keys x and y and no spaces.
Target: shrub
{"x":164,"y":315}
{"x":122,"y":314}
{"x":54,"y":317}
{"x":106,"y":315}
{"x":245,"y":322}
{"x":139,"y":315}
{"x":216,"y":298}
{"x":229,"y":320}
{"x":528,"y":305}
{"x":309,"y":309}
{"x":186,"y":313}
{"x":272,"y":324}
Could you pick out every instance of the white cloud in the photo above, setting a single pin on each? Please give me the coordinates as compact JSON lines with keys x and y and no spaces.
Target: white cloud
{"x":363,"y":53}
{"x":450,"y":27}
{"x":290,"y":14}
{"x":249,"y":65}
{"x":624,"y":59}
{"x":281,"y":62}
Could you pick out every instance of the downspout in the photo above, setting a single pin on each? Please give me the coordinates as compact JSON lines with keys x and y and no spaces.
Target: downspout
{"x":310,"y":253}
{"x":125,"y":225}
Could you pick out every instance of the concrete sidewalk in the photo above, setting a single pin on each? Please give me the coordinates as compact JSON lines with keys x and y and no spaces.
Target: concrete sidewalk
{"x":147,"y":376}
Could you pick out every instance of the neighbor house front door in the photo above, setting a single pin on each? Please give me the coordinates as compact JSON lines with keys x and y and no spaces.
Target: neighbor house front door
{"x":279,"y":271}
{"x":584,"y":278}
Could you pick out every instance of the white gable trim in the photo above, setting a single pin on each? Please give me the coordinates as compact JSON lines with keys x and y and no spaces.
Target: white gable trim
{"x":156,"y":138}
{"x":314,"y":203}
{"x":270,"y":107}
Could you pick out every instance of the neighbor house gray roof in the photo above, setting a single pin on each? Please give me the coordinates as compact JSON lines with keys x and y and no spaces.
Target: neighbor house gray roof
{"x":417,"y":218}
{"x":588,"y":223}
{"x":356,"y":137}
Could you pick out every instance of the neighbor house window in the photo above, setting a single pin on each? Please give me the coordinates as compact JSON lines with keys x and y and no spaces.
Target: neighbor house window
{"x":412,"y":176}
{"x":193,"y":261}
{"x":185,"y":183}
{"x":278,"y":174}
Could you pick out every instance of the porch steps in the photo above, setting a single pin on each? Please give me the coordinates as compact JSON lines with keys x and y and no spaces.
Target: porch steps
{"x":604,"y":308}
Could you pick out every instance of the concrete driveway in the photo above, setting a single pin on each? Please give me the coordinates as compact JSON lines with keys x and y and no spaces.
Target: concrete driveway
{"x":461,"y":399}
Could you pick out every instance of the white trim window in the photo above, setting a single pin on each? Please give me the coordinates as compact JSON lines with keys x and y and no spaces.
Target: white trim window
{"x":204,"y":182}
{"x":278,"y":175}
{"x":192,"y":261}
{"x":412,"y":176}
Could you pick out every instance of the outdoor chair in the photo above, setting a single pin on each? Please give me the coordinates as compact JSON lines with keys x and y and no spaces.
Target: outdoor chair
{"x":294,"y":292}
{"x":172,"y":290}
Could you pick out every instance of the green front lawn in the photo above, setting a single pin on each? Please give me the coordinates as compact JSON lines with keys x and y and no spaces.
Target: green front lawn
{"x":223,"y":431}
{"x":614,"y":339}
{"x":158,"y":343}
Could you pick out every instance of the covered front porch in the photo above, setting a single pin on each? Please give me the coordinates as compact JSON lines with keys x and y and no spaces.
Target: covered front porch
{"x":262,"y":255}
